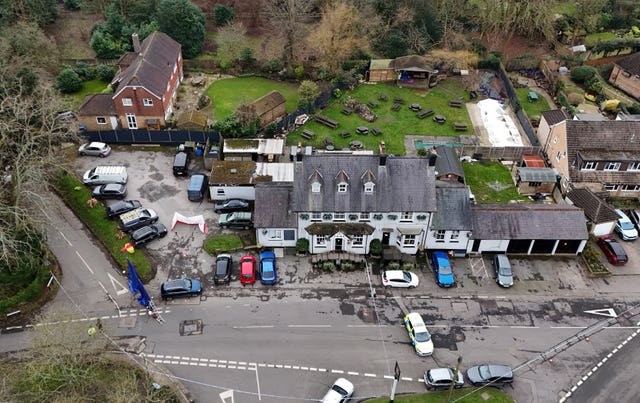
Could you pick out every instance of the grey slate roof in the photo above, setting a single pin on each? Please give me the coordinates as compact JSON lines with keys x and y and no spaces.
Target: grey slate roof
{"x":454,"y":209}
{"x":153,"y":66}
{"x":448,"y":162}
{"x":528,"y":221}
{"x":273,"y":199}
{"x":596,"y":209}
{"x":544,"y":175}
{"x":97,"y":105}
{"x":631,"y":63}
{"x":554,"y":116}
{"x":404,"y":184}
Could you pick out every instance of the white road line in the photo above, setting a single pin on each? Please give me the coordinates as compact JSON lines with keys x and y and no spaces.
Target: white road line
{"x":65,"y":238}
{"x":337,"y":371}
{"x":254,"y":327}
{"x":404,"y":378}
{"x":85,"y":263}
{"x":524,"y":327}
{"x":370,"y":375}
{"x":388,"y":377}
{"x":313,"y":326}
{"x":353,"y":373}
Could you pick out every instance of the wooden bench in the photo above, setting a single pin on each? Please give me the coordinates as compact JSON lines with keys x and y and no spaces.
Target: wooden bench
{"x":383,"y":97}
{"x":324,"y":120}
{"x":347,"y":111}
{"x":460,"y":126}
{"x":395,"y":107}
{"x":308,"y":134}
{"x":328,"y":141}
{"x":398,"y":100}
{"x":373,"y":104}
{"x":455,"y":103}
{"x":345,"y":134}
{"x":423,"y":114}
{"x":376,"y":131}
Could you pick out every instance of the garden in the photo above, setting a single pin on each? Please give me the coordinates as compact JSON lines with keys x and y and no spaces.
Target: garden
{"x":491,"y":182}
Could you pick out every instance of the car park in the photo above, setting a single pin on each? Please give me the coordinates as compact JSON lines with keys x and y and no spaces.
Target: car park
{"x":222,"y":269}
{"x":184,"y":287}
{"x":181,"y":163}
{"x":612,"y":249}
{"x":238,"y":219}
{"x":231,"y":205}
{"x":247,"y":269}
{"x":148,"y":233}
{"x":442,"y":378}
{"x":268,"y":274}
{"x":122,"y":207}
{"x":109,"y":191}
{"x":502,"y":269}
{"x":418,"y":334}
{"x":95,"y":149}
{"x":399,"y":279}
{"x":490,"y":374}
{"x":340,"y":392}
{"x":442,"y":269}
{"x":624,"y":227}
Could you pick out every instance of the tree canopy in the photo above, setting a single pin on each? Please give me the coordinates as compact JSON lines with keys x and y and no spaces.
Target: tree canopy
{"x":184,"y":22}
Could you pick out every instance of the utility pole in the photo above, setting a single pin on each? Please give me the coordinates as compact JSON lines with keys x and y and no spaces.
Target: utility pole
{"x":455,"y":378}
{"x":396,"y":378}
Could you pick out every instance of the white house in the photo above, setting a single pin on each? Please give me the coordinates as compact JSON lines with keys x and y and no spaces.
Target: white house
{"x":275,"y":224}
{"x":450,"y":228}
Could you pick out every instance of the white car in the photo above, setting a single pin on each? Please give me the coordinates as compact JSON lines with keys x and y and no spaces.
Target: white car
{"x":340,"y":392}
{"x":95,"y":148}
{"x":625,"y":228}
{"x":419,"y":335}
{"x":399,"y":279}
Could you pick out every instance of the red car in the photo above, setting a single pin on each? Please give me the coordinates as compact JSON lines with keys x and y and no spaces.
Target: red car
{"x":247,"y":269}
{"x":612,"y":250}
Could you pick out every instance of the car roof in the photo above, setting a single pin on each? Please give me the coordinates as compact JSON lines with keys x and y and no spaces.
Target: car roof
{"x":503,"y":260}
{"x":441,"y":373}
{"x":113,"y":186}
{"x":500,"y":370}
{"x":267,"y":255}
{"x":96,"y":144}
{"x":416,"y":320}
{"x":179,"y":284}
{"x":394,"y":274}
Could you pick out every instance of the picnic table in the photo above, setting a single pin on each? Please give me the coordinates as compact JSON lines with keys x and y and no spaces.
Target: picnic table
{"x":362,"y":130}
{"x":532,"y":96}
{"x":440,"y":119}
{"x":395,"y":107}
{"x":355,"y":144}
{"x":415,"y":107}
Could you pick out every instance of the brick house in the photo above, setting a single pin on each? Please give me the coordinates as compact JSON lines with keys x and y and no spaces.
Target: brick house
{"x":626,"y":75}
{"x":144,"y":87}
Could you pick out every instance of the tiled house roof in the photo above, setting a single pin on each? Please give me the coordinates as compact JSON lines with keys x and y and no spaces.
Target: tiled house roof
{"x":454,"y":209}
{"x":96,"y":105}
{"x":596,"y":209}
{"x":448,"y":162}
{"x":631,"y":64}
{"x":554,"y":116}
{"x":276,"y":197}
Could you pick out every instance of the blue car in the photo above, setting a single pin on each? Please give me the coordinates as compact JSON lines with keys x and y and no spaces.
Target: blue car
{"x":268,"y":268}
{"x":443,"y":270}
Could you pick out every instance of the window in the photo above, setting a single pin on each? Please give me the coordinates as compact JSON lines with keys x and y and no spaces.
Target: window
{"x":315,"y":187}
{"x":357,"y":241}
{"x":611,"y":166}
{"x":321,"y":241}
{"x":408,"y":240}
{"x":316,"y":216}
{"x":275,"y":234}
{"x":289,"y":235}
{"x":440,"y":235}
{"x":365,"y":217}
{"x":338,"y":217}
{"x":148,"y":102}
{"x":101,"y":120}
{"x":610,"y":187}
{"x":406,"y":216}
{"x":131,"y":121}
{"x":558,"y":155}
{"x":630,"y":188}
{"x":535,"y":184}
{"x":590,"y":166}
{"x":368,"y":187}
{"x":342,"y":187}
{"x":220,"y":192}
{"x":127,"y":102}
{"x":455,"y":236}
{"x":634,"y":166}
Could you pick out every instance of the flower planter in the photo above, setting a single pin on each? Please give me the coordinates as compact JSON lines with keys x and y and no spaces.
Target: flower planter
{"x":595,"y":269}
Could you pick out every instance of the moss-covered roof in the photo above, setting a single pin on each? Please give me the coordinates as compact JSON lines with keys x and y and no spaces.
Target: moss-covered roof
{"x":233,"y":172}
{"x":345,"y":228}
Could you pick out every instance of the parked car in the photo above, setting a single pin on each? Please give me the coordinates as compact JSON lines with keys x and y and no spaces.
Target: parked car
{"x":236,"y":219}
{"x":340,"y":392}
{"x":222,"y":272}
{"x":490,"y":374}
{"x":442,"y":378}
{"x":138,"y":218}
{"x":399,"y":279}
{"x":198,"y":187}
{"x":95,"y":149}
{"x":180,"y":288}
{"x":231,"y":205}
{"x":109,"y":191}
{"x":181,"y":163}
{"x":148,"y":233}
{"x":103,"y":174}
{"x":122,"y":207}
{"x":418,"y":333}
{"x":625,"y":228}
{"x":268,"y":275}
{"x":503,"y":272}
{"x":634,"y":216}
{"x":442,"y":269}
{"x":247,"y":269}
{"x":612,"y":250}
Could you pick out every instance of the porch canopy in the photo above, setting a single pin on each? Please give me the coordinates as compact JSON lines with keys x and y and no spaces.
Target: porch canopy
{"x":347,"y":229}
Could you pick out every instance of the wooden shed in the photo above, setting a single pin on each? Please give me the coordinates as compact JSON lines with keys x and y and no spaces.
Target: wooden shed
{"x":381,"y":70}
{"x":192,"y":120}
{"x":270,"y":107}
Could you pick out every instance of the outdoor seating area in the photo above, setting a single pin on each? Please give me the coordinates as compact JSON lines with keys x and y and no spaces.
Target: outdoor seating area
{"x":355,"y":145}
{"x":326,"y":121}
{"x":344,"y":134}
{"x":395,"y":107}
{"x":427,"y":112}
{"x":362,"y":130}
{"x":398,"y":100}
{"x":415,"y":107}
{"x":373,"y":104}
{"x":461,"y":126}
{"x":383,"y":97}
{"x":308,"y":134}
{"x":346,"y":111}
{"x":439,"y":119}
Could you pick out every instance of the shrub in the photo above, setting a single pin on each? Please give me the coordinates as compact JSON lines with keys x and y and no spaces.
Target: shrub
{"x":272,"y":66}
{"x":346,"y":266}
{"x":328,"y":266}
{"x":105,"y":72}
{"x":408,"y":266}
{"x":223,"y":15}
{"x":72,"y":4}
{"x":393,"y":266}
{"x":302,"y":245}
{"x":85,"y":71}
{"x":581,"y":74}
{"x":575,"y":99}
{"x":375,"y":247}
{"x":68,"y":81}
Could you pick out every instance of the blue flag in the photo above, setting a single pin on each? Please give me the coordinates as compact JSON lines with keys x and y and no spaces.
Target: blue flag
{"x":136,"y":286}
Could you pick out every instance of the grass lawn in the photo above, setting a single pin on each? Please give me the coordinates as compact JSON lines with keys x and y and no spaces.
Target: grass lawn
{"x":73,"y":101}
{"x":491,"y":182}
{"x":564,"y":7}
{"x":222,"y":243}
{"x":532,"y":109}
{"x":486,"y":395}
{"x":592,"y":39}
{"x":394,"y":124}
{"x":227,"y":94}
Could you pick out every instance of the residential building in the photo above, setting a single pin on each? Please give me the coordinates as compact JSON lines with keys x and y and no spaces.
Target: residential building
{"x":626,"y":75}
{"x":448,"y":166}
{"x":547,"y":121}
{"x":601,"y":217}
{"x":451,"y":224}
{"x":276,"y":225}
{"x":236,"y":179}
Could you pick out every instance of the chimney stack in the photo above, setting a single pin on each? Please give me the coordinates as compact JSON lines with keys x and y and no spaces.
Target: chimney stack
{"x":136,"y":43}
{"x":433,"y":157}
{"x":383,"y":154}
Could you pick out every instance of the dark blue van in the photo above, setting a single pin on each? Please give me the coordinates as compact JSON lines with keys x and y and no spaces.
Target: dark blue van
{"x":198,"y":187}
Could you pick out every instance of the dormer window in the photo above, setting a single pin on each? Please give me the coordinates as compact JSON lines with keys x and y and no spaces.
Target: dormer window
{"x":316,"y":187}
{"x":342,"y":187}
{"x":368,"y":187}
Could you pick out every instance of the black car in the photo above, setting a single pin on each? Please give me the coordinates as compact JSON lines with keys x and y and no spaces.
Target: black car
{"x":222,"y":273}
{"x":109,"y":191}
{"x":231,"y":205}
{"x":122,"y":207}
{"x":148,"y":233}
{"x":184,"y":287}
{"x":181,"y":163}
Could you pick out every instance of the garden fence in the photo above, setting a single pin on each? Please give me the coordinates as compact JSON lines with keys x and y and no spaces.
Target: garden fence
{"x":520,"y":114}
{"x":162,"y":137}
{"x":497,"y":153}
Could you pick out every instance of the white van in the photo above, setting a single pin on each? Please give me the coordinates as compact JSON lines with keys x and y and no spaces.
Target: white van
{"x":103,"y":174}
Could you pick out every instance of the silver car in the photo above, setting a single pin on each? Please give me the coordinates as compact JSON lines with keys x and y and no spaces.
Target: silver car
{"x":490,"y":374}
{"x":503,"y":272}
{"x":95,"y":149}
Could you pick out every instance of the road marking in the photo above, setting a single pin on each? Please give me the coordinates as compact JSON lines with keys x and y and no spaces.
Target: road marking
{"x":337,"y":371}
{"x":114,"y":281}
{"x":254,"y":327}
{"x":353,"y":373}
{"x":369,"y":375}
{"x":610,"y":312}
{"x":65,"y":238}
{"x":313,"y":326}
{"x":85,"y":263}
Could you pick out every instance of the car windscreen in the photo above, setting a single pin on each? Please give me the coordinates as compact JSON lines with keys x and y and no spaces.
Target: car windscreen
{"x":421,"y":337}
{"x":444,"y":270}
{"x":406,"y":276}
{"x":626,"y":225}
{"x":338,"y":389}
{"x":221,"y":267}
{"x":267,"y":268}
{"x":505,"y":271}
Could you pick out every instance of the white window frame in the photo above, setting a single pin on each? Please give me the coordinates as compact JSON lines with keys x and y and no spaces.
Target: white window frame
{"x":558,"y":155}
{"x":343,"y":187}
{"x":630,"y":188}
{"x":634,"y":166}
{"x":612,"y":166}
{"x":132,"y":122}
{"x":409,"y":240}
{"x":275,"y":235}
{"x":590,"y":166}
{"x":316,"y":216}
{"x":99,"y":118}
{"x":357,"y":241}
{"x":455,"y":236}
{"x":439,"y":235}
{"x":406,"y":216}
{"x":368,"y":187}
{"x":365,"y":216}
{"x":321,"y":241}
{"x":611,"y":187}
{"x":316,"y":187}
{"x":147,"y":102}
{"x":127,"y":102}
{"x":339,"y":217}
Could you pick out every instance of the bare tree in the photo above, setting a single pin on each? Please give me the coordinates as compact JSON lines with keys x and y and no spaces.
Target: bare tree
{"x":231,"y":40}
